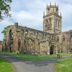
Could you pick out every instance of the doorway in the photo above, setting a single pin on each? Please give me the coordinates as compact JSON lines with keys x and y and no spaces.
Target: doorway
{"x":10,"y":40}
{"x":52,"y":50}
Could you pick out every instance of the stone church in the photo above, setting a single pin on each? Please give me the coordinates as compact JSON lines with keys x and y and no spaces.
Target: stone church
{"x":30,"y":41}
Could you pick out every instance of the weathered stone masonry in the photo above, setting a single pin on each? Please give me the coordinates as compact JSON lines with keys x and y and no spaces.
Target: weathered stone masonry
{"x":30,"y":41}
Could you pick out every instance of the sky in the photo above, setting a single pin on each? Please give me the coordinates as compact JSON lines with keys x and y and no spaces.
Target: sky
{"x":29,"y":13}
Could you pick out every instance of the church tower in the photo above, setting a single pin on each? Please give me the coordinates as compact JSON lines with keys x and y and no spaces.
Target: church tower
{"x":52,"y":20}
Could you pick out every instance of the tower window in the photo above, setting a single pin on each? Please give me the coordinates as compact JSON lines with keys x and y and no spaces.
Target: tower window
{"x":46,"y":20}
{"x":58,"y":24}
{"x":49,"y":24}
{"x":50,"y":20}
{"x":48,"y":9}
{"x":56,"y":9}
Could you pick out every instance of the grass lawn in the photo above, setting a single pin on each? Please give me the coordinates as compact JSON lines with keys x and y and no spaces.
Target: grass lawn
{"x":5,"y":66}
{"x":33,"y":58}
{"x":66,"y":55}
{"x":64,"y":66}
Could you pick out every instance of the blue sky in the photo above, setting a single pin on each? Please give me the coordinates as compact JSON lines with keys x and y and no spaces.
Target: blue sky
{"x":30,"y":13}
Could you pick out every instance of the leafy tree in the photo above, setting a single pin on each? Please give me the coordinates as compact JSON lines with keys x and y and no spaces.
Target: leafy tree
{"x":4,"y":8}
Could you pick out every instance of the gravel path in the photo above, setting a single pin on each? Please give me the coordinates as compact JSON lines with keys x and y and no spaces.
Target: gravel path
{"x":27,"y":66}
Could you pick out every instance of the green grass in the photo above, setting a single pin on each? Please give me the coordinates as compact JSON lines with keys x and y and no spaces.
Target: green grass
{"x":5,"y":66}
{"x":64,"y":66}
{"x":66,"y":55}
{"x":33,"y":58}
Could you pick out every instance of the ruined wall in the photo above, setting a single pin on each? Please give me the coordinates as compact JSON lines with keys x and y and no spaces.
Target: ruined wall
{"x":63,"y":42}
{"x":0,"y":46}
{"x":10,"y":44}
{"x":31,"y":41}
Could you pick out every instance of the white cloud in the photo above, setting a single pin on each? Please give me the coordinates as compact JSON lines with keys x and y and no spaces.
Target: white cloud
{"x":66,"y":10}
{"x":6,"y":22}
{"x":28,"y":19}
{"x":31,"y":16}
{"x":25,"y":15}
{"x":29,"y":13}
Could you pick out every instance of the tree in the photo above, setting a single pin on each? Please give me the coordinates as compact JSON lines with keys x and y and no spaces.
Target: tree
{"x":4,"y":8}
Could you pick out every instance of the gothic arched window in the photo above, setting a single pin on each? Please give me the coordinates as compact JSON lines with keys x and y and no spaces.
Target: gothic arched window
{"x":19,"y":44}
{"x":11,"y":34}
{"x":49,"y":23}
{"x":46,"y":21}
{"x":11,"y":40}
{"x":57,"y":38}
{"x":63,"y":38}
{"x":49,"y":20}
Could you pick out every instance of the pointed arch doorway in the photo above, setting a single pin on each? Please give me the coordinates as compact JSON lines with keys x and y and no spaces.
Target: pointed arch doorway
{"x":52,"y":49}
{"x":10,"y":40}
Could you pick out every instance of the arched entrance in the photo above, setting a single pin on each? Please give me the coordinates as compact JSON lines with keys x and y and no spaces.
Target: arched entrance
{"x":52,"y":49}
{"x":10,"y":40}
{"x":19,"y":45}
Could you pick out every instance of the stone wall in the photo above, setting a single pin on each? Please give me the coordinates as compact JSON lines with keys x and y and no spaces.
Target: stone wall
{"x":49,"y":41}
{"x":31,"y":41}
{"x":0,"y":46}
